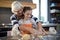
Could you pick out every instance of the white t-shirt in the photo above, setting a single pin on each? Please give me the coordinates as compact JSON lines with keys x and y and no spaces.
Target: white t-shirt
{"x":28,"y":22}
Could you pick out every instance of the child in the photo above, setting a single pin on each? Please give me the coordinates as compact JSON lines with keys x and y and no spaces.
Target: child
{"x":28,"y":23}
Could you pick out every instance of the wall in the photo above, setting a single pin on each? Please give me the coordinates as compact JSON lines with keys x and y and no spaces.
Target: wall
{"x":5,"y":14}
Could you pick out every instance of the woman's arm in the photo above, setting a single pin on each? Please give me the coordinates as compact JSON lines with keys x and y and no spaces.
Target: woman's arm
{"x":13,"y":19}
{"x":39,"y":26}
{"x":41,"y":29}
{"x":15,"y":31}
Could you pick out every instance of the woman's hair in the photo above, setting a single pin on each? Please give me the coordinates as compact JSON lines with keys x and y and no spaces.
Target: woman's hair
{"x":26,"y":9}
{"x":16,"y":6}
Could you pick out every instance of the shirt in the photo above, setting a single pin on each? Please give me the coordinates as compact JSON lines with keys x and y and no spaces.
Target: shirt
{"x":14,"y":20}
{"x":30,"y":23}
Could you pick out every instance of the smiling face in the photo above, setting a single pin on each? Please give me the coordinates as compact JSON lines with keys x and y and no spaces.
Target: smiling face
{"x":28,"y":14}
{"x":17,"y":8}
{"x":19,"y":13}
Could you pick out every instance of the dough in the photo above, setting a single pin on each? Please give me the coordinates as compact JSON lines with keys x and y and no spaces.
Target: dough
{"x":26,"y":37}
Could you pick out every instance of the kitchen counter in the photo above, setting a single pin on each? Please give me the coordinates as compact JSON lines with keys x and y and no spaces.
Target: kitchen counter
{"x":5,"y":28}
{"x":43,"y":25}
{"x":49,"y":25}
{"x":46,"y":37}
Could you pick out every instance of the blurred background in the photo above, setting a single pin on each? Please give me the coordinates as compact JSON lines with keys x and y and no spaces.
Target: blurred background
{"x":47,"y":11}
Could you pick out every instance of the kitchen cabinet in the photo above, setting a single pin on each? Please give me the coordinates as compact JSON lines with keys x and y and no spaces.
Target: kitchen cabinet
{"x":54,"y":6}
{"x":4,"y":30}
{"x":7,"y":4}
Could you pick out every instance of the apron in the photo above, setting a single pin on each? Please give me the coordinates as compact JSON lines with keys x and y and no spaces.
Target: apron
{"x":29,"y":26}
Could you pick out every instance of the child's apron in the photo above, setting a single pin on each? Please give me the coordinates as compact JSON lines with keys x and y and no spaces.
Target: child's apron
{"x":29,"y":26}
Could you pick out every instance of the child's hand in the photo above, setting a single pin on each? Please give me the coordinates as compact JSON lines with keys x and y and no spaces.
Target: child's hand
{"x":45,"y":33}
{"x":35,"y":33}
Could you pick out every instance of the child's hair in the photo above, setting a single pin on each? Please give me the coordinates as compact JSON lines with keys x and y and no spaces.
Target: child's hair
{"x":26,"y":9}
